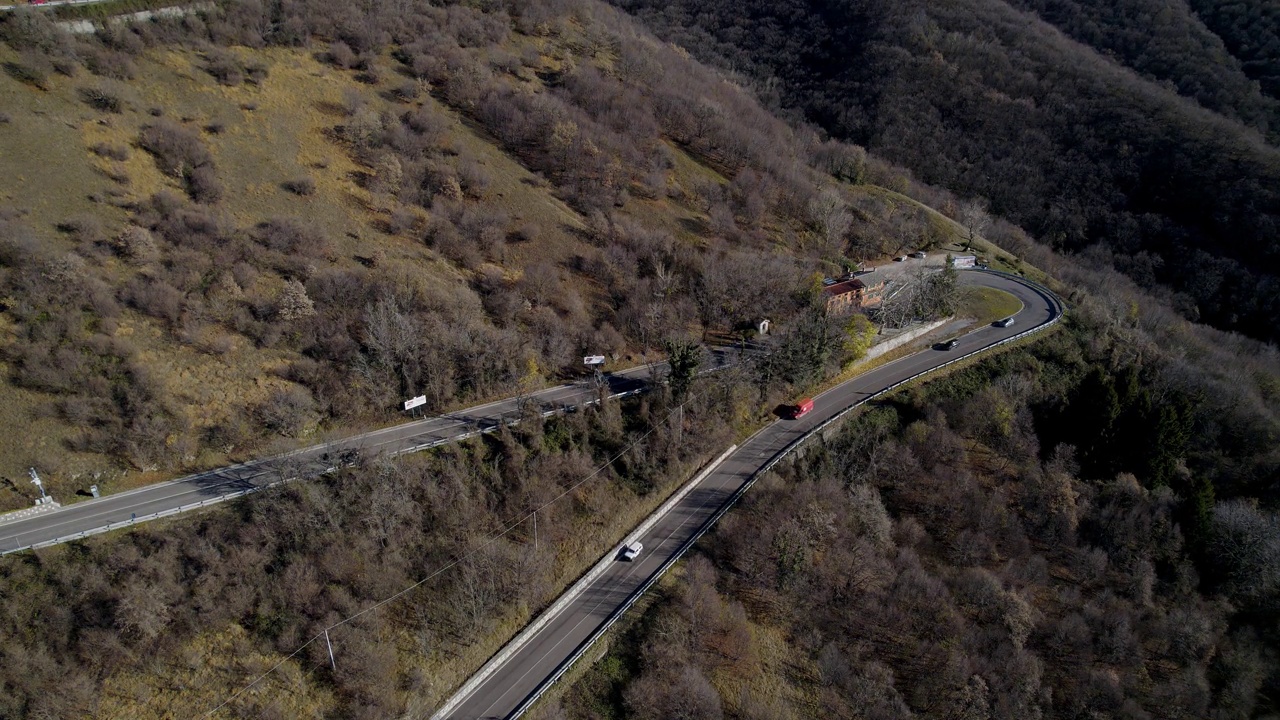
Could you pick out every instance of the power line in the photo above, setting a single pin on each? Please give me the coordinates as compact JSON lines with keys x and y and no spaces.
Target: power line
{"x":451,"y":564}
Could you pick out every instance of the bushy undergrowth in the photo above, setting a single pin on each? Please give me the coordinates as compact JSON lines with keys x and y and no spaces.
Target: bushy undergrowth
{"x":575,"y":92}
{"x":1034,"y":536}
{"x":289,"y":562}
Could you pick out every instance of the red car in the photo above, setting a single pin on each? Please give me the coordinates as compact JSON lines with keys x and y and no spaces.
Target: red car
{"x":800,"y":409}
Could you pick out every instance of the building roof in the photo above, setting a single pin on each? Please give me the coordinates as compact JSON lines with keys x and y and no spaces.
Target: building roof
{"x":844,"y":286}
{"x":851,"y":285}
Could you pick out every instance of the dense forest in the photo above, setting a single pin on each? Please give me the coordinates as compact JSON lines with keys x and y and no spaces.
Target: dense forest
{"x":1061,"y":531}
{"x":986,"y":546}
{"x":171,"y":620}
{"x":473,"y":195}
{"x":1129,"y":132}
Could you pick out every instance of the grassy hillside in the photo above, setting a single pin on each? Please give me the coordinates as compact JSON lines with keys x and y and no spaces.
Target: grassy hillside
{"x":220,"y":243}
{"x":261,"y":138}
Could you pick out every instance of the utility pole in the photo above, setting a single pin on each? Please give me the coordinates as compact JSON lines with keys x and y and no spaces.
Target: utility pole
{"x":332,"y":664}
{"x":535,"y":531}
{"x":679,"y":425}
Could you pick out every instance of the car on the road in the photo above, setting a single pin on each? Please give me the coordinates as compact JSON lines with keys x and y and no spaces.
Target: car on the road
{"x":1004,"y":323}
{"x":632,"y":550}
{"x":950,"y":345}
{"x":919,"y":254}
{"x":900,"y":258}
{"x":800,"y":409}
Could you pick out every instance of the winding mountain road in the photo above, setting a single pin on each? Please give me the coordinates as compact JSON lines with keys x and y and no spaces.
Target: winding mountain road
{"x":111,"y":512}
{"x":517,"y":675}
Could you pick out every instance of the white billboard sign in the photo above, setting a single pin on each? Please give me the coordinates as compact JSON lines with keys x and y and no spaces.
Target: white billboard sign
{"x":592,"y":360}
{"x":415,"y":402}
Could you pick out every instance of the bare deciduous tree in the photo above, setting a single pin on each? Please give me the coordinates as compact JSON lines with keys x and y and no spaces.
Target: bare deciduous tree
{"x":973,"y":216}
{"x":830,"y":216}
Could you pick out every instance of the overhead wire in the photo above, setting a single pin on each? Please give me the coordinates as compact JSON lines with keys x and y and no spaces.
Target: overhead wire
{"x":447,"y":566}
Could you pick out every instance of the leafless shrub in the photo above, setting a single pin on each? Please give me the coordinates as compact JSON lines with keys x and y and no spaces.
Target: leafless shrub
{"x":504,"y":62}
{"x":110,"y":63}
{"x":473,"y":178}
{"x":100,"y":99}
{"x":401,"y":220}
{"x":86,"y":229}
{"x":289,"y":236}
{"x":137,"y":244}
{"x":224,"y":67}
{"x":28,"y":30}
{"x":527,"y":232}
{"x":255,"y":72}
{"x":31,"y":68}
{"x":286,"y":410}
{"x":444,"y":236}
{"x":302,"y":186}
{"x":218,"y":343}
{"x":65,"y":65}
{"x":181,"y":153}
{"x":340,"y":55}
{"x":153,"y":297}
{"x":119,"y":153}
{"x":406,"y":91}
{"x":184,"y":225}
{"x":203,"y":185}
{"x":177,"y":149}
{"x":426,"y":122}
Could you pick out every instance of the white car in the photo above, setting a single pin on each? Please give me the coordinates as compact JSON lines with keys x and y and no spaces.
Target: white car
{"x":919,"y":254}
{"x":1005,"y":322}
{"x":632,"y":551}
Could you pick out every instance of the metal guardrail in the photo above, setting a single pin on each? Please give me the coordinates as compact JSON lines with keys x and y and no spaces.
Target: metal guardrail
{"x":188,"y":507}
{"x":1055,"y":305}
{"x":573,"y":593}
{"x":134,"y":521}
{"x":50,"y":4}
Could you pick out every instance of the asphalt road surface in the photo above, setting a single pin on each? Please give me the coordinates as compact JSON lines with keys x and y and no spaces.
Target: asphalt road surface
{"x":112,"y":511}
{"x":520,"y":677}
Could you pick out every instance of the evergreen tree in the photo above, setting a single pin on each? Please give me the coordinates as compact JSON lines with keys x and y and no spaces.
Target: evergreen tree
{"x":1089,"y":421}
{"x":683,"y":358}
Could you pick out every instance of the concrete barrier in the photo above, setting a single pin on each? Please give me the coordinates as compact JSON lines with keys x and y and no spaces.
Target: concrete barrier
{"x":901,"y":339}
{"x":572,"y":593}
{"x":1055,"y":305}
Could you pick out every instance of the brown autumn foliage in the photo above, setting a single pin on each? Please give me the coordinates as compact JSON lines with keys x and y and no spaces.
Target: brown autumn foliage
{"x":598,"y":130}
{"x":1033,"y":536}
{"x":286,"y":563}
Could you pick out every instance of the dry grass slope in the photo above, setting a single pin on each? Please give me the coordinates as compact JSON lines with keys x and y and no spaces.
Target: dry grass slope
{"x":261,"y":137}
